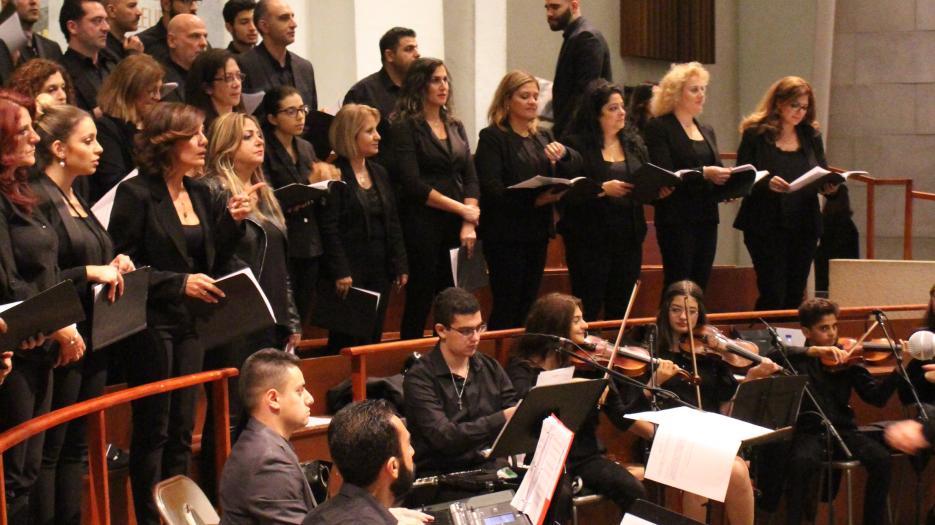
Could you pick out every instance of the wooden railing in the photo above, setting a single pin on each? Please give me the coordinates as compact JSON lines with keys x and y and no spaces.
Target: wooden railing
{"x":93,"y":409}
{"x":360,"y":355}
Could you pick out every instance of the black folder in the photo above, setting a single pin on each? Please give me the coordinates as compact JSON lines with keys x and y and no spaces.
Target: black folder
{"x":355,"y":314}
{"x":581,"y":190}
{"x":649,"y":179}
{"x":772,"y":402}
{"x":737,"y":186}
{"x":292,"y":195}
{"x":51,"y":310}
{"x":658,"y":515}
{"x":111,"y":322}
{"x":243,"y":312}
{"x":569,"y":402}
{"x":316,"y":131}
{"x":469,"y":273}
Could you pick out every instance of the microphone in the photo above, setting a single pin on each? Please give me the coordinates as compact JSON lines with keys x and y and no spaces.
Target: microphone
{"x":922,"y":345}
{"x":587,"y":345}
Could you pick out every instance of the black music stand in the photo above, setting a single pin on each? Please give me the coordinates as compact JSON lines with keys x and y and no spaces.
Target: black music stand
{"x":772,"y":402}
{"x":658,"y":515}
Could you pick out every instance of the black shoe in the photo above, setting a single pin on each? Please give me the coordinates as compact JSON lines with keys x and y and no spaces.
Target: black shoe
{"x":117,"y":458}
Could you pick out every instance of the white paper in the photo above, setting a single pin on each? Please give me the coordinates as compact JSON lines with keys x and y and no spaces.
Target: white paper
{"x":371,"y":292}
{"x":315,"y":421}
{"x":11,"y":32}
{"x":167,"y":88}
{"x":630,"y":519}
{"x":558,"y":376}
{"x":105,"y":205}
{"x":251,"y":101}
{"x":743,"y":167}
{"x":760,"y":175}
{"x":453,"y":254}
{"x":249,"y":273}
{"x":535,"y":492}
{"x":7,"y":306}
{"x":545,"y":98}
{"x":541,"y":180}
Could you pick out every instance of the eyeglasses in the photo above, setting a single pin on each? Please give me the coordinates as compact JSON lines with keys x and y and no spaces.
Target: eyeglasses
{"x":468,"y":331}
{"x":231,"y":77}
{"x":293,"y":111}
{"x":795,"y":106}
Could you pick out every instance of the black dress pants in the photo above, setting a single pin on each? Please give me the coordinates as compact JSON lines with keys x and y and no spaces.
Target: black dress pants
{"x":603,"y":273}
{"x":515,"y":275}
{"x":369,"y":274}
{"x":429,"y":239}
{"x":687,"y":251}
{"x":782,"y":259}
{"x":303,"y":275}
{"x":161,"y":446}
{"x":603,"y":476}
{"x":26,"y":393}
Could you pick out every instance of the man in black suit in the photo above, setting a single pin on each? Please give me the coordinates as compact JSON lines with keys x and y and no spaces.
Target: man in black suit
{"x":238,"y":20}
{"x":84,"y":24}
{"x":398,"y":50}
{"x":123,"y":17}
{"x":583,"y":58}
{"x":155,"y":39}
{"x":270,"y":64}
{"x":262,"y":480}
{"x":36,"y":44}
{"x":188,"y":38}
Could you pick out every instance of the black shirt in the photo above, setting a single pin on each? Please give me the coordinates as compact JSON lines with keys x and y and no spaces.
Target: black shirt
{"x":447,"y":438}
{"x":378,"y":91}
{"x":115,"y":48}
{"x":282,"y":73}
{"x":718,"y":384}
{"x":352,"y":504}
{"x":87,"y":76}
{"x":155,"y":41}
{"x":177,"y":74}
{"x":703,"y":152}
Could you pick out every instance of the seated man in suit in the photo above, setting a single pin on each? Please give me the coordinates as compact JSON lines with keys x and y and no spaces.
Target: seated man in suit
{"x":262,"y":481}
{"x":370,"y":446}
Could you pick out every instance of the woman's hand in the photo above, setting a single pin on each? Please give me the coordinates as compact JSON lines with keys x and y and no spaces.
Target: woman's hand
{"x":6,"y":365}
{"x":554,"y":151}
{"x":907,"y":436}
{"x":766,"y":368}
{"x":468,"y":237}
{"x":665,"y":191}
{"x":616,"y":188}
{"x":108,"y":275}
{"x":716,"y":174}
{"x":242,"y":204}
{"x":200,"y":286}
{"x":470,"y":213}
{"x":548,"y":197}
{"x":401,"y":280}
{"x":778,"y":184}
{"x":123,"y":263}
{"x":291,"y":342}
{"x":70,"y":345}
{"x":342,"y":285}
{"x":833,"y":353}
{"x":665,"y":371}
{"x":323,"y":171}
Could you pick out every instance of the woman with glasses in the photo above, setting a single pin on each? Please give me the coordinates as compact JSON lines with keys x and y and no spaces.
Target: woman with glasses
{"x":128,"y":94}
{"x":438,"y":203}
{"x":781,"y":228}
{"x":290,"y":159}
{"x":214,"y":85}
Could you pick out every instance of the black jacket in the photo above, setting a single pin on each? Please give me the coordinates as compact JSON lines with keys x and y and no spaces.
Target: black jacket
{"x":670,"y":148}
{"x":304,"y":237}
{"x":145,"y":225}
{"x":595,"y":217}
{"x":345,"y":227}
{"x":583,"y":58}
{"x":116,"y":137}
{"x":28,"y":253}
{"x":500,"y":162}
{"x":256,"y":64}
{"x":765,"y":210}
{"x":155,"y":41}
{"x":86,"y":76}
{"x":42,"y":48}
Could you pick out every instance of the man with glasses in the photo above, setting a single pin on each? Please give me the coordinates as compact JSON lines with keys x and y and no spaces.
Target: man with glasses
{"x":456,"y":399}
{"x":155,"y":39}
{"x":188,"y":38}
{"x":37,"y":46}
{"x":84,"y":24}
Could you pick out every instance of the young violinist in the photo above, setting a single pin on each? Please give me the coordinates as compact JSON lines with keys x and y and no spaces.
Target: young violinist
{"x":560,"y":315}
{"x":832,"y":387}
{"x":681,"y":312}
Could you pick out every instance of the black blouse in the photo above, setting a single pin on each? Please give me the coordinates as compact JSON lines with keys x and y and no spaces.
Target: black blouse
{"x":718,"y":384}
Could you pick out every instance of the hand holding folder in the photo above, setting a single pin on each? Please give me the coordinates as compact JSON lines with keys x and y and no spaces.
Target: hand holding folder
{"x":242,"y":309}
{"x":44,"y":313}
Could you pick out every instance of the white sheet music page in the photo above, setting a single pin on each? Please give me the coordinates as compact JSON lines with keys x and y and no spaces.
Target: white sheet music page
{"x":559,"y":376}
{"x":535,"y":492}
{"x":630,"y":519}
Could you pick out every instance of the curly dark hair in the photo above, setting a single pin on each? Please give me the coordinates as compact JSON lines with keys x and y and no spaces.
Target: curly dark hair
{"x":411,"y":101}
{"x":13,"y":179}
{"x":29,"y":77}
{"x":587,"y":118}
{"x":166,"y":124}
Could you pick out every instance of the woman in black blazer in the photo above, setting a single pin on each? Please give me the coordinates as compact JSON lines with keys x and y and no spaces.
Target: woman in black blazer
{"x":438,"y":202}
{"x":781,"y":229}
{"x":359,"y":223}
{"x":604,"y":236}
{"x":28,"y":260}
{"x":127,"y":95}
{"x":517,"y":223}
{"x":69,"y":149}
{"x":290,"y":159}
{"x":166,"y":219}
{"x":686,"y":221}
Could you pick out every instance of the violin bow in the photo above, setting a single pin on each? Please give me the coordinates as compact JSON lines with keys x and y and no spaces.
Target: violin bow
{"x":623,"y":324}
{"x":862,"y":338}
{"x":691,"y":345}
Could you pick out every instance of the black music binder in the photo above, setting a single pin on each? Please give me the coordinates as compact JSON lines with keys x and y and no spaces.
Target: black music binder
{"x":656,"y":515}
{"x":317,"y":124}
{"x":649,"y":179}
{"x":467,"y":272}
{"x":244,"y":311}
{"x":355,"y":314}
{"x":111,"y":322}
{"x":569,"y":402}
{"x":292,"y":195}
{"x":772,"y":402}
{"x":51,"y":310}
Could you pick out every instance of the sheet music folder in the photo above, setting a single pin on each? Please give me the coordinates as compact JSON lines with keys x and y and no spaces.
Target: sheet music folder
{"x":570,"y":402}
{"x":244,"y":311}
{"x":126,"y":316}
{"x":55,"y":308}
{"x":772,"y":402}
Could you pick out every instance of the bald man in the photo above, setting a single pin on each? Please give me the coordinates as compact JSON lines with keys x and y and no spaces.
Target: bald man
{"x":155,"y":39}
{"x":187,"y":38}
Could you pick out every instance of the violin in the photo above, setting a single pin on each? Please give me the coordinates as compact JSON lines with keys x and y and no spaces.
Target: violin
{"x":631,"y":361}
{"x":874,"y":352}
{"x":711,"y":343}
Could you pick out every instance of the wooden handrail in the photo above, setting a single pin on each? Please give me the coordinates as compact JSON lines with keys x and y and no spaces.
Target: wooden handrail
{"x":93,"y":409}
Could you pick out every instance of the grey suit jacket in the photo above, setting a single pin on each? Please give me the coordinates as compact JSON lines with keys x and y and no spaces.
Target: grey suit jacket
{"x":262,"y":482}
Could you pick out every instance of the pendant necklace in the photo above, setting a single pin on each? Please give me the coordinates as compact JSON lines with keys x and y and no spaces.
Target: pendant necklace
{"x":459,"y":392}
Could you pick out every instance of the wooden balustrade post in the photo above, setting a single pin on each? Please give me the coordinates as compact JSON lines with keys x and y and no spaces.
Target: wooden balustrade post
{"x":2,"y":493}
{"x":907,"y":224}
{"x":359,"y":377}
{"x":222,"y":424}
{"x":99,"y":494}
{"x":870,"y":222}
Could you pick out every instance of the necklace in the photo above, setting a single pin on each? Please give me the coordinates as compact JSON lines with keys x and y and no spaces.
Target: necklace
{"x":459,"y":392}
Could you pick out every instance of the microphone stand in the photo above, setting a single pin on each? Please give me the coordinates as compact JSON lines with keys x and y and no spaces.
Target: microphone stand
{"x":651,"y":348}
{"x":777,"y":344}
{"x":901,"y":370}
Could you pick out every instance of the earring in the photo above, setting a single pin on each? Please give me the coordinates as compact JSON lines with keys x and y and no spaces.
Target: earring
{"x":61,"y":162}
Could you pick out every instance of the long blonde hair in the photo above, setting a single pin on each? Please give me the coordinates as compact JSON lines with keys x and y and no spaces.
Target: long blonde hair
{"x":500,"y":105}
{"x":226,"y":137}
{"x":766,"y":119}
{"x":670,"y":87}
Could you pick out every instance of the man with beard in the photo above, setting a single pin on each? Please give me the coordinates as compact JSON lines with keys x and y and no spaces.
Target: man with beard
{"x":84,"y":24}
{"x":123,"y":17}
{"x":583,"y":58}
{"x":37,"y":46}
{"x":262,"y":480}
{"x":238,"y":20}
{"x":155,"y":39}
{"x":370,"y":446}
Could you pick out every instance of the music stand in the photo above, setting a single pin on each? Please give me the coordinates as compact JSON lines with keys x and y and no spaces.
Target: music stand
{"x":772,"y":402}
{"x":570,"y":402}
{"x":656,"y":515}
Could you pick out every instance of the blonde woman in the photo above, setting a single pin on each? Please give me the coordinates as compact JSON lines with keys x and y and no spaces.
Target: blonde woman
{"x":686,"y":221}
